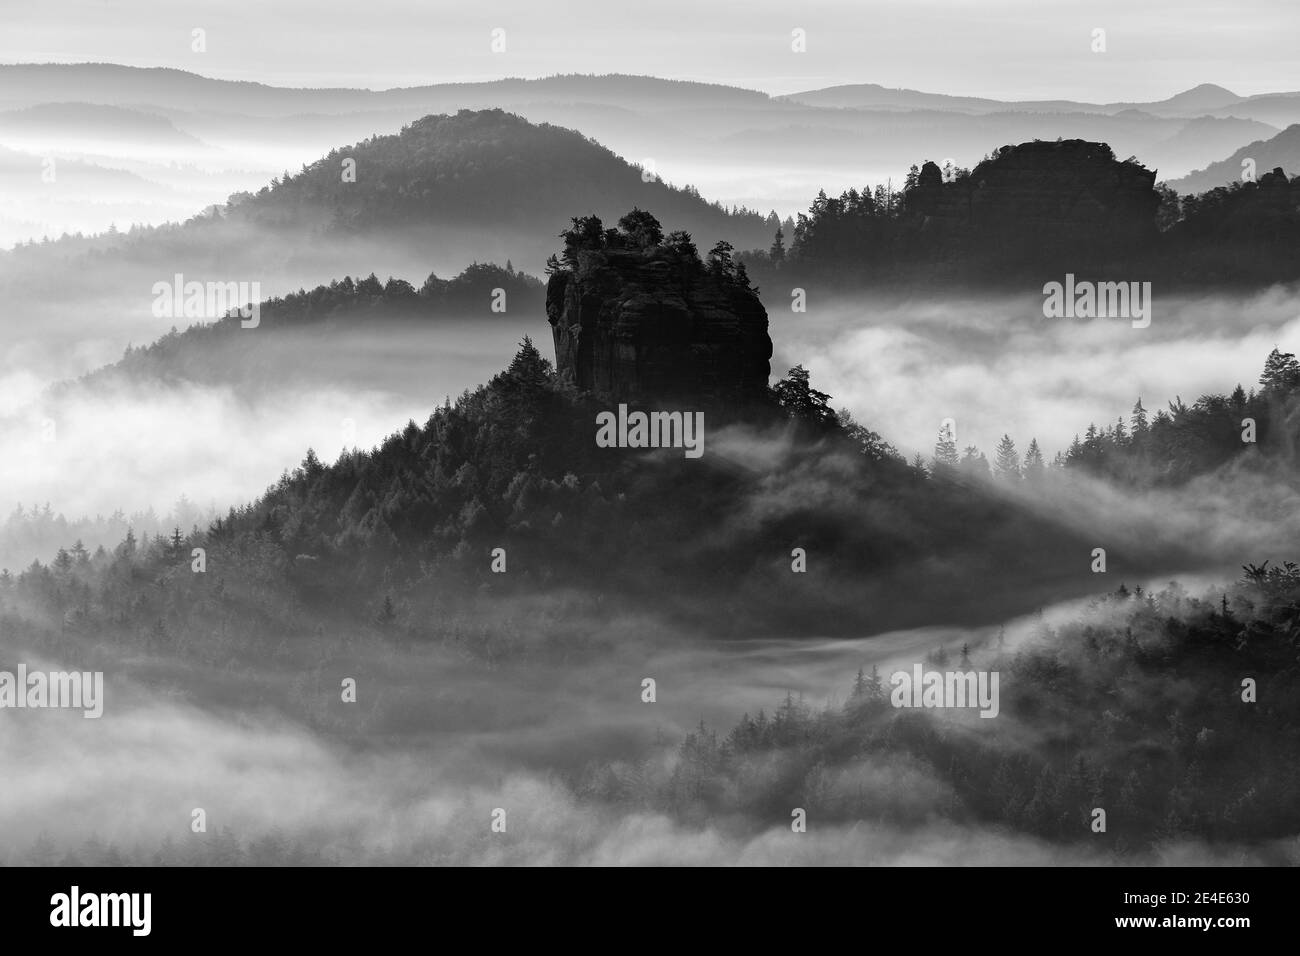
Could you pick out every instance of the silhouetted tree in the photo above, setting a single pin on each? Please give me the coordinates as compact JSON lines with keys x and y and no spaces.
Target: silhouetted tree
{"x":1007,"y":460}
{"x":801,"y":401}
{"x":777,"y":251}
{"x":641,"y":228}
{"x":1281,"y":372}
{"x":1033,"y":468}
{"x":945,"y":449}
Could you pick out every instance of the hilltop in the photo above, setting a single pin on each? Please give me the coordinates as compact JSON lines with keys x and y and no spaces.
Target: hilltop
{"x":1035,"y":211}
{"x":478,"y":167}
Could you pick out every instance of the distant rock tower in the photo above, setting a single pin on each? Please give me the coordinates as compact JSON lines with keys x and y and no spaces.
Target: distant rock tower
{"x":647,"y":322}
{"x":1071,"y":190}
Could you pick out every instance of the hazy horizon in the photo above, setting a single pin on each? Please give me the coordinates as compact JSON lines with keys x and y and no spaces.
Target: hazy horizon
{"x":741,"y":83}
{"x":1011,"y":49}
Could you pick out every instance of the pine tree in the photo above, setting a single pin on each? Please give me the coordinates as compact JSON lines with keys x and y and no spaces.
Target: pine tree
{"x":801,"y":401}
{"x":1075,"y":453}
{"x":721,"y":262}
{"x":1007,"y":462}
{"x":945,"y":449}
{"x":1138,"y":424}
{"x":778,"y":247}
{"x":1281,"y":372}
{"x":1092,"y":443}
{"x":1034,"y":467}
{"x":312,"y":467}
{"x":528,"y":368}
{"x":642,"y":229}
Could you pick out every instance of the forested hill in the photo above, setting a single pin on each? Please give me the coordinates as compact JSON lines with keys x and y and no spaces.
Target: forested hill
{"x":514,"y":466}
{"x":224,"y":352}
{"x":482,"y":167}
{"x":1242,"y":432}
{"x":1033,"y":212}
{"x":1255,"y":429}
{"x":477,"y":185}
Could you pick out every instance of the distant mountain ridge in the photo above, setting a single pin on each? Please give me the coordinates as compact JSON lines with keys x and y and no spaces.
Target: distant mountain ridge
{"x":115,"y":84}
{"x":1282,"y":150}
{"x":723,"y":139}
{"x":451,"y":189}
{"x":166,"y":87}
{"x":483,"y":165}
{"x":222,"y":352}
{"x":116,"y":122}
{"x":1197,"y":101}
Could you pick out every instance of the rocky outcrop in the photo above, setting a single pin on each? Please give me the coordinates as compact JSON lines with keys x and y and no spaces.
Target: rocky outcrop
{"x":1261,"y":212}
{"x":1064,"y":192}
{"x":656,"y":326}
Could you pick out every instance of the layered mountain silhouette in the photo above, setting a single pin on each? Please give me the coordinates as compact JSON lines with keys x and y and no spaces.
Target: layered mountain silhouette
{"x":324,"y":324}
{"x":1264,"y":155}
{"x":688,"y":128}
{"x":475,"y":169}
{"x":447,"y":190}
{"x":118,"y":85}
{"x":114,"y":84}
{"x":1194,"y":102}
{"x":64,"y":125}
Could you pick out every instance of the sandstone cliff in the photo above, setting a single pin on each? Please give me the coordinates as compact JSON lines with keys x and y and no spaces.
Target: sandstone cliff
{"x":1065,"y":192}
{"x":641,"y":319}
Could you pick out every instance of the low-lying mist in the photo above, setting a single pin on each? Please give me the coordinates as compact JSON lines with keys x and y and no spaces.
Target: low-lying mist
{"x":129,"y":446}
{"x":61,"y":327}
{"x":995,"y":365}
{"x":437,"y":742}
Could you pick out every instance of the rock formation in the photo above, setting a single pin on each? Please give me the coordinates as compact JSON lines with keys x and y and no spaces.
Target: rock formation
{"x":641,"y":320}
{"x":1064,"y":192}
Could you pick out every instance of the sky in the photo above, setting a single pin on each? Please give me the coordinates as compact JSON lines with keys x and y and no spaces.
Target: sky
{"x":1012,"y":49}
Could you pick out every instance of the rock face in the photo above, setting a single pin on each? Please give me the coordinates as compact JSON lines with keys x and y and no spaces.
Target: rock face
{"x":1265,"y":211}
{"x":651,"y":327}
{"x":1059,"y":192}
